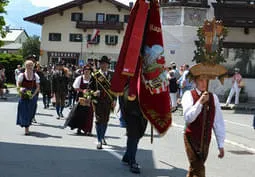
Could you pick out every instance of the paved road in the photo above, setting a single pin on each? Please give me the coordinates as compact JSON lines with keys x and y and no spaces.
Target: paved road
{"x":52,"y":151}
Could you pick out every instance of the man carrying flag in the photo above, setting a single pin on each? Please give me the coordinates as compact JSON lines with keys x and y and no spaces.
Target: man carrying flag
{"x":140,"y":68}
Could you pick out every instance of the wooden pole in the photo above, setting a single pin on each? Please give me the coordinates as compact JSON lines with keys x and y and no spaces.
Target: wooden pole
{"x":205,"y":107}
{"x":151,"y":134}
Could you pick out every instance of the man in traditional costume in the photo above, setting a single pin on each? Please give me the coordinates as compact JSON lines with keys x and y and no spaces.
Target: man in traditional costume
{"x":136,"y":125}
{"x":105,"y":101}
{"x":59,"y":88}
{"x":193,"y":103}
{"x":201,"y":109}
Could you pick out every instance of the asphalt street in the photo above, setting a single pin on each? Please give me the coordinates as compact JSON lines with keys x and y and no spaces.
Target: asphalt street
{"x":54,"y":151}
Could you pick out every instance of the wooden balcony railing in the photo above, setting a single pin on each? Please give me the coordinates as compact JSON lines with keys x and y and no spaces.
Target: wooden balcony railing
{"x":188,"y":3}
{"x":236,"y":14}
{"x":100,"y":25}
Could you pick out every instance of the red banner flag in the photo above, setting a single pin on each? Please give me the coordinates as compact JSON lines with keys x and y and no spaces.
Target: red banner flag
{"x":130,"y":50}
{"x":153,"y":87}
{"x":142,"y":58}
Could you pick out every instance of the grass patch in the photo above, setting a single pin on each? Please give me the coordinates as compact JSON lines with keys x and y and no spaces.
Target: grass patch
{"x":10,"y":85}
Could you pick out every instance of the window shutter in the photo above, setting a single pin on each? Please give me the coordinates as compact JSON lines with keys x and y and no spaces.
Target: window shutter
{"x":106,"y":39}
{"x":89,"y":37}
{"x":116,"y":40}
{"x":98,"y":39}
{"x":107,"y":18}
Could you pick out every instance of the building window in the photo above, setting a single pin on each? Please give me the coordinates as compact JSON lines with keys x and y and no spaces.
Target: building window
{"x":113,"y":65}
{"x":111,"y":40}
{"x":112,"y":18}
{"x":75,"y":37}
{"x":100,"y":18}
{"x":96,"y":40}
{"x":126,"y":18}
{"x":54,"y":36}
{"x":76,"y":17}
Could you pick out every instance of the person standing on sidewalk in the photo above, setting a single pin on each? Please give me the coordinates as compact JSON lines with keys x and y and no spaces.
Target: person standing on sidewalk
{"x":173,"y":87}
{"x":236,"y":87}
{"x":28,"y":85}
{"x":199,"y":105}
{"x":60,"y":88}
{"x":105,"y":102}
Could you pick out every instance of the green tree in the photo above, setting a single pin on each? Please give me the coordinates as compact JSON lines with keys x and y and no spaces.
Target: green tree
{"x":3,"y":4}
{"x":31,"y":47}
{"x":10,"y":62}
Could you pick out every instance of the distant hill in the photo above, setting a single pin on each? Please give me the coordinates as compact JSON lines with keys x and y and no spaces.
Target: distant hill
{"x":17,"y":10}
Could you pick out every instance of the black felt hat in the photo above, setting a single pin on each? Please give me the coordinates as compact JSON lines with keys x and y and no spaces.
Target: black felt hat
{"x":105,"y":59}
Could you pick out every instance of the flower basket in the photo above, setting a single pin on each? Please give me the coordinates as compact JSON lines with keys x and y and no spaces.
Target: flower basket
{"x":84,"y":101}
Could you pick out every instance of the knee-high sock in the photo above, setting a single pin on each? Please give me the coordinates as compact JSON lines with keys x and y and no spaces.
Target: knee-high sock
{"x":61,"y":109}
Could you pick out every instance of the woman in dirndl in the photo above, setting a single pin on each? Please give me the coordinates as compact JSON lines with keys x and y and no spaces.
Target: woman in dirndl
{"x":28,"y":86}
{"x":81,"y":116}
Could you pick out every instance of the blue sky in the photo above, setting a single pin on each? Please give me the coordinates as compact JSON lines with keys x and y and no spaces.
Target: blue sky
{"x":18,"y":9}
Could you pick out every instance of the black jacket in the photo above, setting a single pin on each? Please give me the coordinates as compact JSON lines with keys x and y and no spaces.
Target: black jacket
{"x":136,"y":123}
{"x":60,"y":83}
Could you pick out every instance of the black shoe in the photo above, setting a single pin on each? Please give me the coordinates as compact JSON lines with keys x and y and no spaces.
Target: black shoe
{"x":104,"y":142}
{"x":135,"y":168}
{"x":45,"y":107}
{"x":173,"y":110}
{"x":79,"y":132}
{"x":99,"y":146}
{"x":61,"y":114}
{"x":58,"y":117}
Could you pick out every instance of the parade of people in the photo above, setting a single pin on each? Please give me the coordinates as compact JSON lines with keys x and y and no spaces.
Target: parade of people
{"x":154,"y":99}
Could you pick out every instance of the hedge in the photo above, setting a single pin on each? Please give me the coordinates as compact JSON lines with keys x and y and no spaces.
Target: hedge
{"x":10,"y":62}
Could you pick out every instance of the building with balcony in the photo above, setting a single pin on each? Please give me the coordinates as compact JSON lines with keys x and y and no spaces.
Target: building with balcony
{"x":67,"y":30}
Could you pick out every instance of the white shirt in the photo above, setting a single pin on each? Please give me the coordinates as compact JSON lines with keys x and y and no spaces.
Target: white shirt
{"x":191,"y":113}
{"x":17,"y":72}
{"x":21,"y":77}
{"x":77,"y":82}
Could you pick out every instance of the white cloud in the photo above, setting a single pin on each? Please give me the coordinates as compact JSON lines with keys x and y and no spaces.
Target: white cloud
{"x":54,"y":3}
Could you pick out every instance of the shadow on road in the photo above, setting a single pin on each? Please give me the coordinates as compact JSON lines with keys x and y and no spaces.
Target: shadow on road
{"x":43,"y":135}
{"x":48,"y":161}
{"x":43,"y":114}
{"x":49,"y":125}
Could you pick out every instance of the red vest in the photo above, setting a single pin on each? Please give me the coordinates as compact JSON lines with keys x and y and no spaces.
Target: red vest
{"x":83,"y":85}
{"x":27,"y":83}
{"x":194,"y":129}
